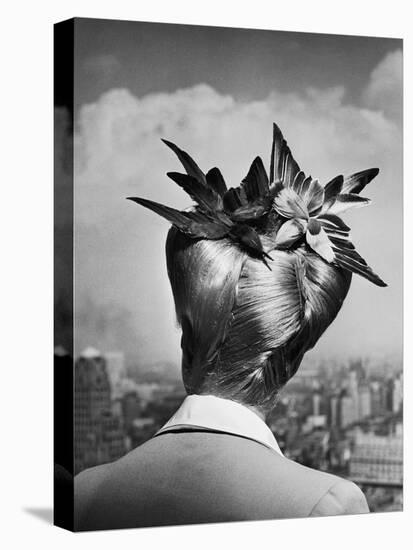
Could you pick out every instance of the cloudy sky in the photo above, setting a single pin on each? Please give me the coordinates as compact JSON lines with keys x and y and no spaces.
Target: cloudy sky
{"x":215,"y":92}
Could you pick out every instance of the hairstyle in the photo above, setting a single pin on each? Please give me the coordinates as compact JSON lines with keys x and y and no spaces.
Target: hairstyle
{"x":247,"y":317}
{"x":245,"y":328}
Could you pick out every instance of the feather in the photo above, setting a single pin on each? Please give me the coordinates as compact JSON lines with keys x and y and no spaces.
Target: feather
{"x":333,"y":222}
{"x":298,"y":180}
{"x":208,"y":229}
{"x":337,"y":233}
{"x":194,"y":224}
{"x":249,"y":239}
{"x":361,"y":269}
{"x":216,"y":181}
{"x":283,"y":166}
{"x":233,"y":199}
{"x":191,"y":167}
{"x":350,"y":255}
{"x":310,"y":209}
{"x":290,"y":168}
{"x":275,"y":140}
{"x":252,"y":211}
{"x":290,"y":205}
{"x":346,"y":201}
{"x":331,"y":190}
{"x":179,"y":219}
{"x":204,"y":196}
{"x":275,"y":189}
{"x":341,"y":243}
{"x":305,"y":185}
{"x":357,"y":182}
{"x":221,"y":216}
{"x":255,"y":182}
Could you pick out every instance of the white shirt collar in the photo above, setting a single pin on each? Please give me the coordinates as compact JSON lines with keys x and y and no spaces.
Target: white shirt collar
{"x":224,"y":415}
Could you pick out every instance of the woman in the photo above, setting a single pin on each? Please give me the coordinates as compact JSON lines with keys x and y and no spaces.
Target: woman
{"x":258,"y":273}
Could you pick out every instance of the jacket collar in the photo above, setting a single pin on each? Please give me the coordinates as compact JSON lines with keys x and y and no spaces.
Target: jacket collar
{"x":223,"y":415}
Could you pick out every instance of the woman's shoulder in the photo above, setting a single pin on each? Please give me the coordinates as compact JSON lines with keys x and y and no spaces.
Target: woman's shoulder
{"x":323,"y":494}
{"x":258,"y":482}
{"x":344,"y":497}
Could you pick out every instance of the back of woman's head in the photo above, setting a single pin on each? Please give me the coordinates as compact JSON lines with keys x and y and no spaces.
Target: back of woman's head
{"x":247,"y":317}
{"x":245,"y":328}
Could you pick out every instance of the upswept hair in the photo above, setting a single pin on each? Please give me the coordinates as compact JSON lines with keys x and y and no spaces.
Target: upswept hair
{"x":245,"y":328}
{"x":258,"y":271}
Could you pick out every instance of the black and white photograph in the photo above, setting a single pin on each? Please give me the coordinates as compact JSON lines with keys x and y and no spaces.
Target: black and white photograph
{"x":205,"y":293}
{"x":228,"y":274}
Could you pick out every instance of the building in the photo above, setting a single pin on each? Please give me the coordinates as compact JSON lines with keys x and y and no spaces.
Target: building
{"x":131,"y":409}
{"x":377,"y":395}
{"x":348,"y":409}
{"x":334,"y":418}
{"x":377,"y":459}
{"x":306,"y":377}
{"x":99,"y":436}
{"x":164,"y":405}
{"x":141,"y":430}
{"x":115,"y":366}
{"x":397,"y":400}
{"x":317,"y":403}
{"x":364,"y":401}
{"x":389,"y":394}
{"x":311,"y":449}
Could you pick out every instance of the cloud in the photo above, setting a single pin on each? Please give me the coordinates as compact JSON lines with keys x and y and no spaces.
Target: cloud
{"x":384,"y":91}
{"x":118,"y":152}
{"x":119,"y":134}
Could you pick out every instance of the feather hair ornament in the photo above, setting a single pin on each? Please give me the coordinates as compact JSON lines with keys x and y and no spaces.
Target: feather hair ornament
{"x":282,"y":210}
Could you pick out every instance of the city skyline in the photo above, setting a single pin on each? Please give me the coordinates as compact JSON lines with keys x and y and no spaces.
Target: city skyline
{"x":348,"y":423}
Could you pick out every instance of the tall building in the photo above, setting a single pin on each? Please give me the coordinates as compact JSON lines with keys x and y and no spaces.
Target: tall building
{"x":99,"y":434}
{"x":389,"y":394}
{"x":398,"y":394}
{"x":334,"y":413}
{"x":377,"y":399}
{"x":115,"y":366}
{"x":131,"y":409}
{"x":364,"y":401}
{"x":353,"y":389}
{"x":348,"y":409}
{"x":316,"y":403}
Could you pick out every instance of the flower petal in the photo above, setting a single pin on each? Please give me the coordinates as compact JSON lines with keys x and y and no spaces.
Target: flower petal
{"x":319,"y":242}
{"x":289,"y":232}
{"x":290,"y":205}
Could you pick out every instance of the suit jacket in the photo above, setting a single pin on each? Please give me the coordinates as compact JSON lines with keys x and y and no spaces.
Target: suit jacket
{"x":194,"y":474}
